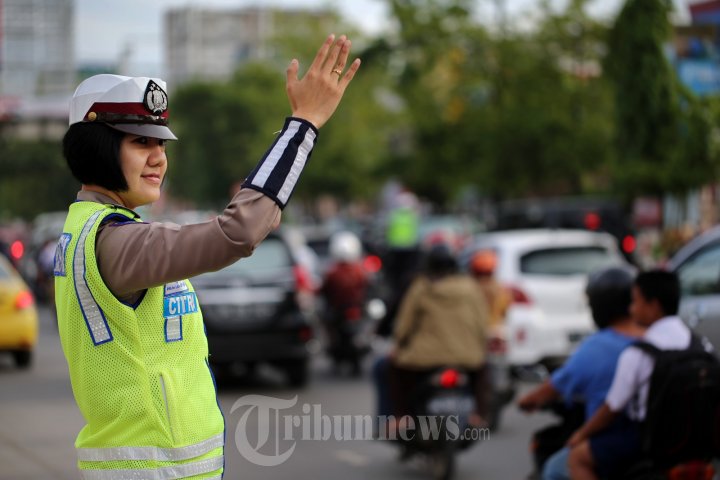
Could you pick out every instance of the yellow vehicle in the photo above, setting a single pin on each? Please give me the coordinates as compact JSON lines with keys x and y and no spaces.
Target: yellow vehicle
{"x":18,"y":316}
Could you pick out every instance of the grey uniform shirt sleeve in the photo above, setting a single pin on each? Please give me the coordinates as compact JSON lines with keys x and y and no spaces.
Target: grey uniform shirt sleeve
{"x":133,"y":257}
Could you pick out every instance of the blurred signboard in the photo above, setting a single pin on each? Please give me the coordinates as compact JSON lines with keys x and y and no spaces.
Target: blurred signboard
{"x":694,"y":53}
{"x":647,"y":212}
{"x":700,"y":76}
{"x":705,"y":12}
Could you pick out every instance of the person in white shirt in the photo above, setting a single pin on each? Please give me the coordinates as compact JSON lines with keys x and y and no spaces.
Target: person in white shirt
{"x":655,"y":302}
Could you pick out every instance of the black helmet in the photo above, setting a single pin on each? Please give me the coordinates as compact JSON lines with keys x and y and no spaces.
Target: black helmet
{"x":440,"y":260}
{"x":609,"y":295}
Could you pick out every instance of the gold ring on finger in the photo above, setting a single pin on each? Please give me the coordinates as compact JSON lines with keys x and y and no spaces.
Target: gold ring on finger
{"x":337,"y":71}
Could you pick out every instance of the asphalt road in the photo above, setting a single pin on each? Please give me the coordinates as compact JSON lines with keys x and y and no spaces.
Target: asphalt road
{"x":272,"y":431}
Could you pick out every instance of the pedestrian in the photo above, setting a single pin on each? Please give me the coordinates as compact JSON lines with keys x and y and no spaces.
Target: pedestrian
{"x":129,"y":322}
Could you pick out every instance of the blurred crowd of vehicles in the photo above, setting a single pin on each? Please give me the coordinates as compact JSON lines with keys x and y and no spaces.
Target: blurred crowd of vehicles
{"x":546,"y":273}
{"x":269,"y":302}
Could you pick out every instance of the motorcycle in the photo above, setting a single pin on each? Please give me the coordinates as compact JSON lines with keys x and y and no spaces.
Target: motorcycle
{"x":351,"y":332}
{"x":548,"y":440}
{"x":439,"y":427}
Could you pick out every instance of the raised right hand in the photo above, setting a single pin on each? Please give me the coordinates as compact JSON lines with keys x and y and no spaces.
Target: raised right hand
{"x":316,"y":96}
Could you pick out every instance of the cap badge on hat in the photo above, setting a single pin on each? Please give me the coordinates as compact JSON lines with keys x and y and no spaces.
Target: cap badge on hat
{"x":155,"y":100}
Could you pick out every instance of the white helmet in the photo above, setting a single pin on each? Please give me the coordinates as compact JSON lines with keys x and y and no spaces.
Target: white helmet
{"x":345,"y":247}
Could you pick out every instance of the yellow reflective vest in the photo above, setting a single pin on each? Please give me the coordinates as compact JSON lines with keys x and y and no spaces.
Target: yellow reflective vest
{"x":139,"y":373}
{"x":402,"y":231}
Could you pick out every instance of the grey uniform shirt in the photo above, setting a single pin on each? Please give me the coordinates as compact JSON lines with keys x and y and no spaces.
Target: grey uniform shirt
{"x":133,"y":256}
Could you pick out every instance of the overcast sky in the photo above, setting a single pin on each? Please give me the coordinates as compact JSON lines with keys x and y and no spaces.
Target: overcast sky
{"x":105,"y":29}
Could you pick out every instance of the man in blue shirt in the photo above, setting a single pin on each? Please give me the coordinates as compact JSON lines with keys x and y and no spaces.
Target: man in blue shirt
{"x":588,"y":373}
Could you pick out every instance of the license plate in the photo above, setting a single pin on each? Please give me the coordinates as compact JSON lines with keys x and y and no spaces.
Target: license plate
{"x":451,"y":405}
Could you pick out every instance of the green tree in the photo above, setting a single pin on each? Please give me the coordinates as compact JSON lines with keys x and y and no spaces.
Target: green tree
{"x":223,"y":131}
{"x":662,"y":130}
{"x":508,"y":113}
{"x":434,"y":55}
{"x":34,"y":179}
{"x":225,"y":128}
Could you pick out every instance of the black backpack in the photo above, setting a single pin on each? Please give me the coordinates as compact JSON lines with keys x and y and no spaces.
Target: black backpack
{"x":683,"y":413}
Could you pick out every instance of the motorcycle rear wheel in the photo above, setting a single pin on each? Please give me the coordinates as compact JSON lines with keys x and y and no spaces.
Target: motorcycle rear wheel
{"x":442,"y":464}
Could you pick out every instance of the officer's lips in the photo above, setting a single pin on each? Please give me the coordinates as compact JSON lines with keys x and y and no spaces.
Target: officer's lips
{"x":153,"y":178}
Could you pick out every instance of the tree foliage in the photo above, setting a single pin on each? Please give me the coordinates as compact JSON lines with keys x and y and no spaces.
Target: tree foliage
{"x":223,"y":129}
{"x":504,"y":113}
{"x":663,"y":133}
{"x":442,"y":102}
{"x":34,"y":179}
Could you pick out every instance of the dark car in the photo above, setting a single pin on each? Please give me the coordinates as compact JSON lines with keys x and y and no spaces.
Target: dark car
{"x":258,"y":309}
{"x":586,"y":213}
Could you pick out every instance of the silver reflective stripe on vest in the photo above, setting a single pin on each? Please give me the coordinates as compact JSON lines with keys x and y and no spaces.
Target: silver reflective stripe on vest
{"x":96,"y":323}
{"x":161,"y":473}
{"x":151,"y":453}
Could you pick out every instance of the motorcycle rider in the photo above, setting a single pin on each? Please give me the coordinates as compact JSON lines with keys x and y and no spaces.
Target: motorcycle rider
{"x":344,"y":290}
{"x":498,"y":298}
{"x":442,"y":322}
{"x":588,"y":373}
{"x":655,"y":304}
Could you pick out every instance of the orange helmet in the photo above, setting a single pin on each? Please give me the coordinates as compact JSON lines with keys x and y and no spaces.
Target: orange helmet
{"x":483,"y":261}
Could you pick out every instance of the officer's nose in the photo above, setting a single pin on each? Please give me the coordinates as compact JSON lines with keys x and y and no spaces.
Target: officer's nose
{"x":157,"y":154}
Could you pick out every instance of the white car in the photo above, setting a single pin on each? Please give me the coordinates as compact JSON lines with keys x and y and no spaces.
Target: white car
{"x":546,"y":271}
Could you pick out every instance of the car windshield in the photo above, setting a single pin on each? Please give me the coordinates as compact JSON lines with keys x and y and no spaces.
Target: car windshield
{"x":4,"y":271}
{"x":565,"y":261}
{"x":270,"y":256}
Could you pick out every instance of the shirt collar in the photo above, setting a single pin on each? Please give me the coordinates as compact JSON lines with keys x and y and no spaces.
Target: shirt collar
{"x":97,"y":197}
{"x":663,"y":323}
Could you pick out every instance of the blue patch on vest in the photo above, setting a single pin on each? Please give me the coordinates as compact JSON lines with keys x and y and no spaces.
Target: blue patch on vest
{"x":60,"y":252}
{"x":182,"y":304}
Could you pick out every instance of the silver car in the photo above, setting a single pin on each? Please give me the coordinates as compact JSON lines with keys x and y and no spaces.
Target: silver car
{"x":697,"y":265}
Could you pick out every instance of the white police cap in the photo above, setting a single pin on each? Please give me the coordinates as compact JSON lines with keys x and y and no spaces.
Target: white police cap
{"x":137,"y":105}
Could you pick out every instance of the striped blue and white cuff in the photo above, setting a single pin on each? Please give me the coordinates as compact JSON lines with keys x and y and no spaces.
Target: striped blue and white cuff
{"x":279,"y":170}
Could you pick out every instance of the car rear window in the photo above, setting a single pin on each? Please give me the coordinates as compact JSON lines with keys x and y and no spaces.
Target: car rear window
{"x":271,"y":255}
{"x":565,"y":261}
{"x":321,"y":247}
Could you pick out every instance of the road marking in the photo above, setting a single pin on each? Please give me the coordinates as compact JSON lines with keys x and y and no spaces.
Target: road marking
{"x":352,"y":458}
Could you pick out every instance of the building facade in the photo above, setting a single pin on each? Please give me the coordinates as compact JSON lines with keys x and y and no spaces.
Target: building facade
{"x":210,"y":44}
{"x":36,"y":47}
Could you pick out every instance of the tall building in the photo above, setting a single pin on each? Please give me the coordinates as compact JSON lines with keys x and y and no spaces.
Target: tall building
{"x":210,"y":44}
{"x":36,"y":47}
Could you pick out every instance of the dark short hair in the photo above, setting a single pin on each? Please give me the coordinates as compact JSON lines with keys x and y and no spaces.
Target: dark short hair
{"x":660,"y":285}
{"x":440,"y":261}
{"x":92,"y":151}
{"x":609,"y":295}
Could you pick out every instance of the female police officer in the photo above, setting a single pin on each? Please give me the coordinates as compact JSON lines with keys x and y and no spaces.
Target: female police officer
{"x":129,"y":321}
